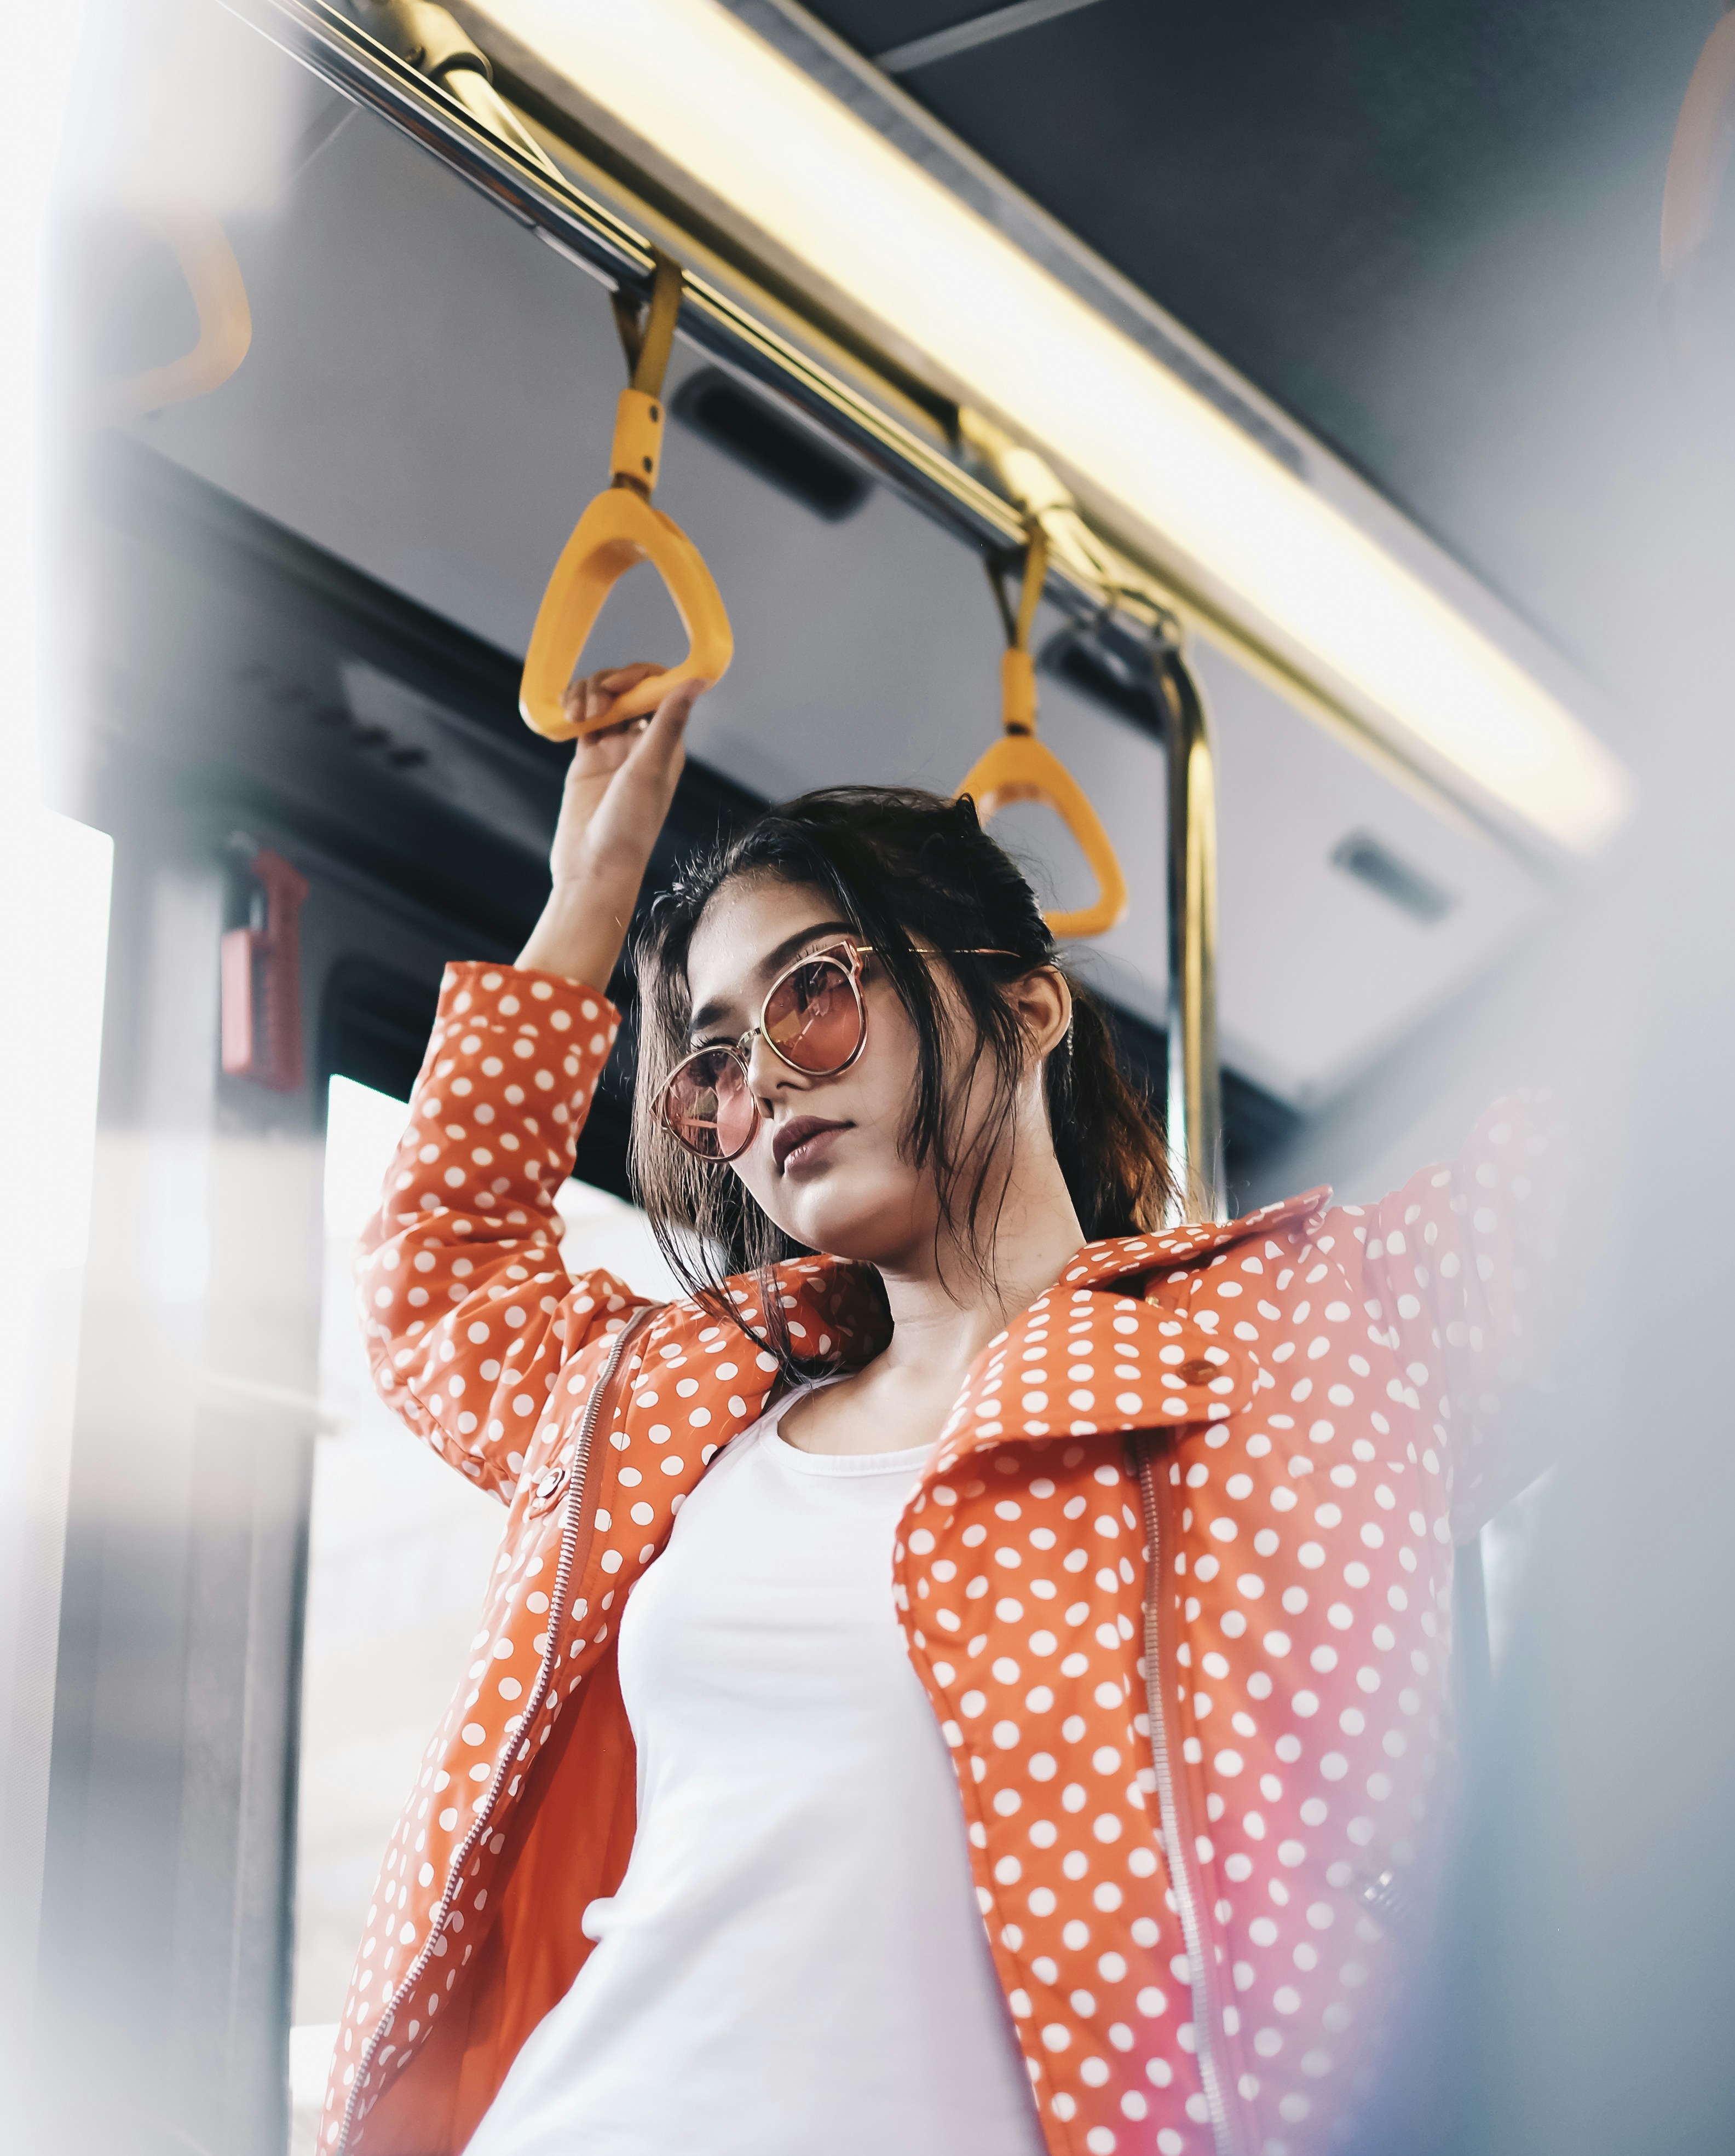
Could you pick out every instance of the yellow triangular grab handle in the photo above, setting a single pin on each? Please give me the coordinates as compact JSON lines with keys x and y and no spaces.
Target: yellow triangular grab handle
{"x":617,"y":531}
{"x":226,"y":321}
{"x":1019,"y":767}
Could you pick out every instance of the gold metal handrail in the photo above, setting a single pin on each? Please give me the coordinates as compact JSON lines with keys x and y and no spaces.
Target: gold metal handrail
{"x":1194,"y":1107}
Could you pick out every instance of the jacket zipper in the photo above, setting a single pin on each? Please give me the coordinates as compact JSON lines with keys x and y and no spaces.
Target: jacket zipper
{"x":557,"y":1619}
{"x":1177,"y":1824}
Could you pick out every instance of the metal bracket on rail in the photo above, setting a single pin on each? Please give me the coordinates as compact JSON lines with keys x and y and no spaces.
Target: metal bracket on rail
{"x":1130,"y":612}
{"x":436,"y":44}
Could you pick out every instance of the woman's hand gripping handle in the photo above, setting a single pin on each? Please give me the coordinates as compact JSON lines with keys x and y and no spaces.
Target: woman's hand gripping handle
{"x":618,"y":789}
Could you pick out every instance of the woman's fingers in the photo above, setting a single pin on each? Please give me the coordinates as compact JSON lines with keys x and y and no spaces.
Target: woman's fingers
{"x":588,"y":699}
{"x":658,"y":751}
{"x":668,"y":720}
{"x":618,"y":790}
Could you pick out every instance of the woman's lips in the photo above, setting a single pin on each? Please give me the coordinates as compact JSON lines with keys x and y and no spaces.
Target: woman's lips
{"x":802,"y":1141}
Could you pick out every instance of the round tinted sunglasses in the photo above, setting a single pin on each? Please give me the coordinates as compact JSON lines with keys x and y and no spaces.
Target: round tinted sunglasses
{"x":813,"y":1018}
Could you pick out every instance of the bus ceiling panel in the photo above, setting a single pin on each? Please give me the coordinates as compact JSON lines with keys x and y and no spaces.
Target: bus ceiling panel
{"x":1399,"y":222}
{"x":893,"y":423}
{"x":815,"y":346}
{"x":429,"y":400}
{"x":1156,"y":434}
{"x":1320,"y":969}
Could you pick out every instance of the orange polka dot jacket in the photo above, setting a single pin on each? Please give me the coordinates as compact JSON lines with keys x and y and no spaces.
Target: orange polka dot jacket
{"x":1177,"y":1582}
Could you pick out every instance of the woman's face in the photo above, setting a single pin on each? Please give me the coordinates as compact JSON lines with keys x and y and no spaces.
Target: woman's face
{"x":824,"y":1162}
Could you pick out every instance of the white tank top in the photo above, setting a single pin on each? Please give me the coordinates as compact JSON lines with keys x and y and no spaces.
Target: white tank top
{"x":794,"y":1960}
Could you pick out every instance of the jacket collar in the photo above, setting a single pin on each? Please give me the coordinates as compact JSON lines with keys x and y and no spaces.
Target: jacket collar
{"x":1083,"y":1360}
{"x":1123,"y":1257}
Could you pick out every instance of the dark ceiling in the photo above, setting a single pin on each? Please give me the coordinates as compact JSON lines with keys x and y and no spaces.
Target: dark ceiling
{"x":1426,"y":228}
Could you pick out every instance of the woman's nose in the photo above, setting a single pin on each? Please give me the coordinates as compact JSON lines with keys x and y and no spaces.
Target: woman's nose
{"x":766,"y":1072}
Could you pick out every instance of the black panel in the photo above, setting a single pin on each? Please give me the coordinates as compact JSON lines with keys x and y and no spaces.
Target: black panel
{"x":375,"y":1026}
{"x":1404,"y":220}
{"x":1089,"y":671}
{"x":262,"y":673}
{"x":773,"y":447}
{"x":236,"y":687}
{"x":875,"y":25}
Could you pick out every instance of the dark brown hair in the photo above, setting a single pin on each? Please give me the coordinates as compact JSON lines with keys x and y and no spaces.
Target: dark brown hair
{"x":905,"y":867}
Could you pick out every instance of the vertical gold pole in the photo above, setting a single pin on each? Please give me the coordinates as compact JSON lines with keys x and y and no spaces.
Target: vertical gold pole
{"x":1195,"y":1104}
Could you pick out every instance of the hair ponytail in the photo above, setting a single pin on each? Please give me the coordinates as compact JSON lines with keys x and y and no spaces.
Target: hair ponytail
{"x":1107,"y":1140}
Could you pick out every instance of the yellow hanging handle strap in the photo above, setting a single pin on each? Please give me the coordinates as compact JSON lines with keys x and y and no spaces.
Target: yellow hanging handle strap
{"x":620,"y":529}
{"x":1020,"y":768}
{"x":226,"y":321}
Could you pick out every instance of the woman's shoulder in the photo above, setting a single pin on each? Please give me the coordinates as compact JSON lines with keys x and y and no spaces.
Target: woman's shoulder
{"x":833,"y":1311}
{"x":1136,"y":1258}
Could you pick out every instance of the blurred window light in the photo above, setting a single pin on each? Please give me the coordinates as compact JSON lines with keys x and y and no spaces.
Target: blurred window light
{"x":1222,"y":514}
{"x":54,"y":882}
{"x":364,"y":1129}
{"x":53,"y":958}
{"x":54,"y":877}
{"x":1510,"y":1542}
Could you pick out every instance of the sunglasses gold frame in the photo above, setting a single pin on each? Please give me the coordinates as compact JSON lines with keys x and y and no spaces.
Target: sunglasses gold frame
{"x":848,"y":956}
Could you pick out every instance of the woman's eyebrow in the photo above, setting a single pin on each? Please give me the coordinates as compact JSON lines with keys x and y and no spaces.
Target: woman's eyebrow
{"x":773,"y":962}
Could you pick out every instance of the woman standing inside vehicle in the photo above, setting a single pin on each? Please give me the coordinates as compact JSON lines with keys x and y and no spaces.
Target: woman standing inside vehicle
{"x":969,"y":1677}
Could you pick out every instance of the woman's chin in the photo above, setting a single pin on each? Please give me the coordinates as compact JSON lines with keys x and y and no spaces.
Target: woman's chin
{"x":861,"y":1232}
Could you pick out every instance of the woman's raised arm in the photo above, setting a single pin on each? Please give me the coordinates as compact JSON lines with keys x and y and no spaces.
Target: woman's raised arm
{"x":468,"y":1311}
{"x":618,"y":791}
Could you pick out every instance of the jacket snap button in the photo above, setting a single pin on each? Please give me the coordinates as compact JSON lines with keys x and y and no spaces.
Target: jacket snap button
{"x":1197,"y":1374}
{"x":551,"y":1482}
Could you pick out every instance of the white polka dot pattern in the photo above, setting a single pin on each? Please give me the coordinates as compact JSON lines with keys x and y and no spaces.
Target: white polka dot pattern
{"x":1327,"y":1387}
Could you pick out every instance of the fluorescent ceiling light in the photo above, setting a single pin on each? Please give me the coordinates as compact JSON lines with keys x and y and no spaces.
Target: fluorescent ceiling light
{"x":752,"y":128}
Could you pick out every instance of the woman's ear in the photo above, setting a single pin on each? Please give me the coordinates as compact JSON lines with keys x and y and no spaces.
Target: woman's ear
{"x":1044,"y":1004}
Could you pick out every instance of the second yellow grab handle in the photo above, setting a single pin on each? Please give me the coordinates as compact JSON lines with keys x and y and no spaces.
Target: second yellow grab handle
{"x":1020,"y":768}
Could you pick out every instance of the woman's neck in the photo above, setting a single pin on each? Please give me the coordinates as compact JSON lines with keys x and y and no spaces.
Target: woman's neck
{"x":944,"y":1309}
{"x":945,"y":1306}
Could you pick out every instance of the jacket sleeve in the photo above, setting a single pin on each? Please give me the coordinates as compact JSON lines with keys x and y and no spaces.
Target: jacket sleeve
{"x":1462,"y":1266}
{"x":467,"y":1309}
